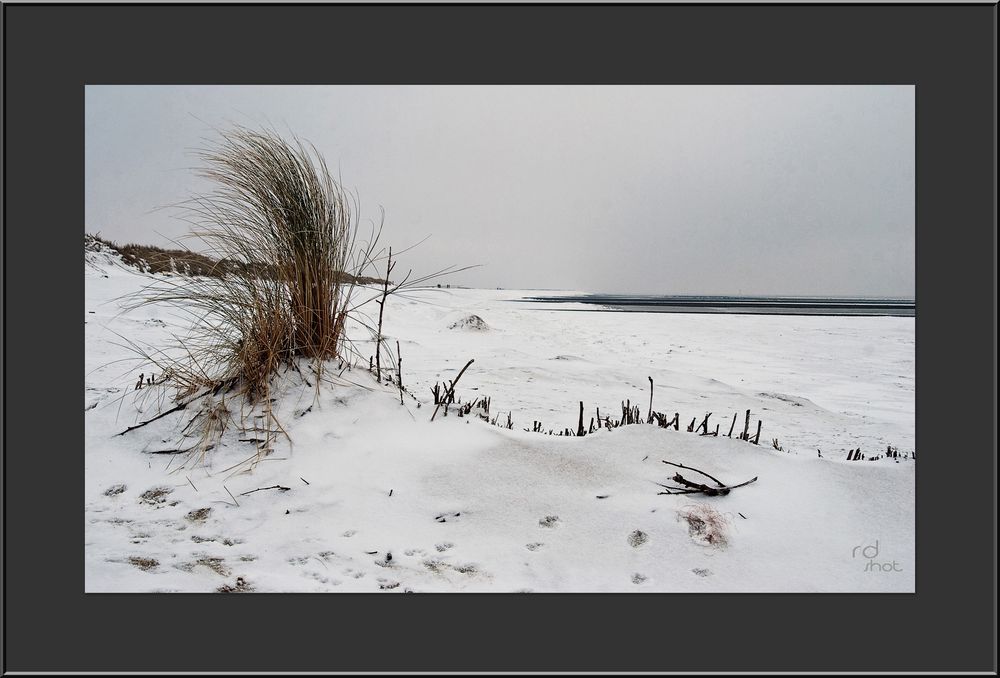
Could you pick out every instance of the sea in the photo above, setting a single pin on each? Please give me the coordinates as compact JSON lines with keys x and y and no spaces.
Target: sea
{"x":853,"y":306}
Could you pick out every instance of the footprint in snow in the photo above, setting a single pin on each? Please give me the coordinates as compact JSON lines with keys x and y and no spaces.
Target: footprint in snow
{"x":155,"y":495}
{"x":637,"y":539}
{"x":638,"y":578}
{"x":446,"y":517}
{"x":143,"y":563}
{"x":321,"y":578}
{"x":443,"y":546}
{"x":114,"y":490}
{"x":534,"y":546}
{"x":702,"y":572}
{"x":549,"y":521}
{"x":349,"y":533}
{"x":198,"y":515}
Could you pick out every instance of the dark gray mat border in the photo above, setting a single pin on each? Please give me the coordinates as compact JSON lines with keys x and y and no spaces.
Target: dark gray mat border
{"x":947,"y":51}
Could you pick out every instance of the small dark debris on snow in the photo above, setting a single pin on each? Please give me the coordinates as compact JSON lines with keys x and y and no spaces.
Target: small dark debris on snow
{"x":602,"y":496}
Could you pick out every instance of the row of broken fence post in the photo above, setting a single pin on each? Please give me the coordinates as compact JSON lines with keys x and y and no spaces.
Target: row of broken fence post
{"x":630,"y":414}
{"x":890,"y":453}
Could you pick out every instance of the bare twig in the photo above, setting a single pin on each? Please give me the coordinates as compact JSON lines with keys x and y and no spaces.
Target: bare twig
{"x":261,"y":489}
{"x":381,"y":311}
{"x":177,"y":408}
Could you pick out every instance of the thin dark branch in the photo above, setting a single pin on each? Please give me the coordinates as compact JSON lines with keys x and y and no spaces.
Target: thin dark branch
{"x":177,"y":408}
{"x":261,"y":489}
{"x":689,"y":468}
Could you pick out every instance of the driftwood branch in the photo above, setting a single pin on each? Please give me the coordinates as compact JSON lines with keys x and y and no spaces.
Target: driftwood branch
{"x":689,"y":468}
{"x":690,"y":487}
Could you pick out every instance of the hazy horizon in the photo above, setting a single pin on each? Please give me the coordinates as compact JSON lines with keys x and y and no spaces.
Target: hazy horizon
{"x":672,"y":190}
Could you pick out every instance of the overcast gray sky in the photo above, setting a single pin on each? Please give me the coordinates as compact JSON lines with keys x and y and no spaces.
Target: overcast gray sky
{"x":648,"y":189}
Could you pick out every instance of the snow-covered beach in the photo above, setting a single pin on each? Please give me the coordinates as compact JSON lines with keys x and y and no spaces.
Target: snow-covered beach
{"x":381,"y":499}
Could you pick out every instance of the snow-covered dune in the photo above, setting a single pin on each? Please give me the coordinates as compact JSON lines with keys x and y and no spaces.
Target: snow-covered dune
{"x":379,"y":498}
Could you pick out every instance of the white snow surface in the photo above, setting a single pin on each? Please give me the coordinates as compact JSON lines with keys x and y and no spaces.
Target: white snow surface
{"x":462,"y":505}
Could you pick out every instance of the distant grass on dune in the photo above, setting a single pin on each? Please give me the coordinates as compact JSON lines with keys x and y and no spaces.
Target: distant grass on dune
{"x":153,"y":259}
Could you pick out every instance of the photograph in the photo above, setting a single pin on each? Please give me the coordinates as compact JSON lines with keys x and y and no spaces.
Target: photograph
{"x":500,"y":338}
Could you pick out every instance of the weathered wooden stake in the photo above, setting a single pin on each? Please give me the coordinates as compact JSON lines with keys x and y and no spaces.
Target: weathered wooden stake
{"x":451,"y":389}
{"x":746,"y":428}
{"x":704,"y":423}
{"x":733,"y":425}
{"x":649,"y":417}
{"x":756,"y":439}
